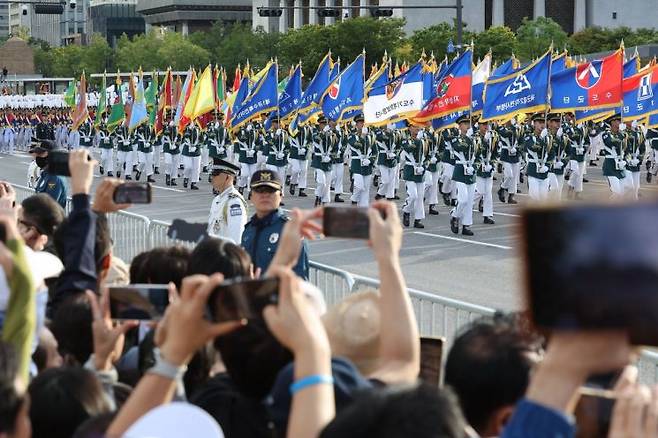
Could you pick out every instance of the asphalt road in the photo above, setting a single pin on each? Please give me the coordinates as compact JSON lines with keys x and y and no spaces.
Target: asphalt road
{"x":484,"y":269}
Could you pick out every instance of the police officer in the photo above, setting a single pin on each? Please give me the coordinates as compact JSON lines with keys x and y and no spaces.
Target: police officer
{"x":228,"y":212}
{"x":48,"y":183}
{"x":262,"y":233}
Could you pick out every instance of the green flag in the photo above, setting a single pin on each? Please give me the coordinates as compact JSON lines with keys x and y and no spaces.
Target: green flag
{"x":151,"y":97}
{"x":69,"y":96}
{"x":117,"y":113}
{"x":102,"y":103}
{"x":221,"y":92}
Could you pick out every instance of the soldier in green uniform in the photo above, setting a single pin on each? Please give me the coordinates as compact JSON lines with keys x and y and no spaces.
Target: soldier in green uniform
{"x":323,"y":143}
{"x":217,"y":141}
{"x":388,"y":152}
{"x":171,"y":148}
{"x":106,"y":145}
{"x":558,"y":158}
{"x":537,"y":147}
{"x":337,"y":161}
{"x":634,"y":155}
{"x":144,"y":153}
{"x":125,"y":152}
{"x":465,"y":153}
{"x":191,"y":157}
{"x":247,"y":144}
{"x":486,"y":142}
{"x":509,"y":137}
{"x":432,"y":174}
{"x":414,"y":150}
{"x":576,"y":149}
{"x":300,"y":145}
{"x":614,"y":145}
{"x":276,"y":147}
{"x":652,"y":162}
{"x":363,"y":154}
{"x":448,"y":187}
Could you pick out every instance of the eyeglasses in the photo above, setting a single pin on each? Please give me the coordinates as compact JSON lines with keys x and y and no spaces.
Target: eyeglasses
{"x":265,"y":189}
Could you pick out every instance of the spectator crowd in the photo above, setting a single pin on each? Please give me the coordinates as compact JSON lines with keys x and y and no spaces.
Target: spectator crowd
{"x":299,"y":369}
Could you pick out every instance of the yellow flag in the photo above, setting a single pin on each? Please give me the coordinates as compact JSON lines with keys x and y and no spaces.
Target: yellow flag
{"x":202,"y":99}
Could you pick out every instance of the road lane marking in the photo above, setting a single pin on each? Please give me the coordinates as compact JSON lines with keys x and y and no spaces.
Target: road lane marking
{"x":457,"y":239}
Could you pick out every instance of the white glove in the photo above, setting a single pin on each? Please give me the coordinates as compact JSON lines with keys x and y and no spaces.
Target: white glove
{"x":560,"y":132}
{"x":487,"y":136}
{"x":249,"y":127}
{"x":634,"y":124}
{"x":278,"y":131}
{"x":622,"y":126}
{"x":469,"y":133}
{"x":544,"y":133}
{"x":326,"y":128}
{"x":513,"y":121}
{"x":364,"y":130}
{"x":420,"y":135}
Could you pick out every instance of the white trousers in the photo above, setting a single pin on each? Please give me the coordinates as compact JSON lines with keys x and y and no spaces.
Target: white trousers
{"x":205,"y":157}
{"x":127,"y":159}
{"x":145,"y":162}
{"x":107,"y":160}
{"x":337,"y":172}
{"x":414,"y":202}
{"x":483,"y":190}
{"x":617,"y":187}
{"x":157,"y":152}
{"x":322,"y":189}
{"x":298,"y":172}
{"x":465,"y":199}
{"x":361,"y":194}
{"x":192,"y":168}
{"x":555,"y":185}
{"x":172,"y":161}
{"x":448,"y":186}
{"x":246,"y":170}
{"x":280,"y":170}
{"x":632,"y":180}
{"x":511,"y":172}
{"x":537,"y":188}
{"x":386,"y":182}
{"x":432,"y":188}
{"x":577,"y":175}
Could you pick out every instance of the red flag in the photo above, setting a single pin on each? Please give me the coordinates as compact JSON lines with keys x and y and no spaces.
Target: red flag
{"x":80,"y":114}
{"x":237,"y":79}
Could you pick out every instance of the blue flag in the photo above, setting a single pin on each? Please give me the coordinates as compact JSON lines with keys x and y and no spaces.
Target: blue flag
{"x":138,"y":114}
{"x":446,"y":121}
{"x":319,"y":83}
{"x":653,"y":121}
{"x":263,"y":98}
{"x":632,"y":66}
{"x":291,"y":95}
{"x":506,"y":68}
{"x":523,"y":91}
{"x":345,"y":93}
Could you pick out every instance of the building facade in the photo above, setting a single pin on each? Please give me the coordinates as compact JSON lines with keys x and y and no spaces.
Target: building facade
{"x":112,"y":18}
{"x":4,"y":20}
{"x":187,"y":16}
{"x":572,"y":15}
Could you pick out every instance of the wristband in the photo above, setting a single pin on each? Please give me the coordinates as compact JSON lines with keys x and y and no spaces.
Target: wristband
{"x":305,"y":382}
{"x":166,"y":369}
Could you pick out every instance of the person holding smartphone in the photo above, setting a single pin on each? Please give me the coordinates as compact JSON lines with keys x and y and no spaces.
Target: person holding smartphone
{"x":48,"y":183}
{"x":262,"y":233}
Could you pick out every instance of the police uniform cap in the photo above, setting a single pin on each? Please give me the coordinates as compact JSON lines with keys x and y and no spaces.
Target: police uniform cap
{"x":265,"y":178}
{"x":554,"y":116}
{"x":322,"y":119}
{"x":219,"y":165}
{"x":359,"y":118}
{"x":43,"y":146}
{"x":538,"y":117}
{"x":464,"y":119}
{"x":613,"y":117}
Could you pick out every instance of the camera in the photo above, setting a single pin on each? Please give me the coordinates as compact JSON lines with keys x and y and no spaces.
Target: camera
{"x":72,"y":4}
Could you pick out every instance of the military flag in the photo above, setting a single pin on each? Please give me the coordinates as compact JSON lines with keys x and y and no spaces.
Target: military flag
{"x":396,"y":99}
{"x":292,"y":94}
{"x":523,"y":91}
{"x":640,"y":94}
{"x":80,"y":114}
{"x":117,"y":111}
{"x":345,"y":92}
{"x":262,"y":98}
{"x":201,"y":100}
{"x":69,"y":95}
{"x":185,"y":92}
{"x":102,"y":103}
{"x":313,"y":93}
{"x":480,"y":75}
{"x":138,"y":112}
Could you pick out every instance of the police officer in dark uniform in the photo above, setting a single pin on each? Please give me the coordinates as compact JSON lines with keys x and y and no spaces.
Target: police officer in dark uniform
{"x":48,"y":183}
{"x":262,"y":233}
{"x":44,"y":129}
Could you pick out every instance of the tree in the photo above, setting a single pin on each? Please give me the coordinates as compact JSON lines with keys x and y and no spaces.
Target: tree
{"x":535,"y":36}
{"x":97,"y":56}
{"x":141,"y":50}
{"x":181,"y":53}
{"x":435,"y":39}
{"x":308,"y":44}
{"x":590,"y":40}
{"x":351,"y":37}
{"x":500,"y":39}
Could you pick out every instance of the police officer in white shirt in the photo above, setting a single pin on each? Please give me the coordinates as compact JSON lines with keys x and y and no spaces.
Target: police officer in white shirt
{"x":228,"y":212}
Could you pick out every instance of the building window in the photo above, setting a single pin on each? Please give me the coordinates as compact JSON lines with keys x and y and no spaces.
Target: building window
{"x":516,"y":11}
{"x":561,"y":11}
{"x":488,"y":13}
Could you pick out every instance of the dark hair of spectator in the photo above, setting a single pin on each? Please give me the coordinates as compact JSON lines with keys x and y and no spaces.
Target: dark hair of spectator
{"x":62,"y":399}
{"x":420,"y":411}
{"x":165,"y":265}
{"x":102,"y":245}
{"x":95,"y":427}
{"x":489,"y":365}
{"x":10,"y":400}
{"x":71,"y":326}
{"x":44,"y":212}
{"x":137,"y":271}
{"x":214,"y":255}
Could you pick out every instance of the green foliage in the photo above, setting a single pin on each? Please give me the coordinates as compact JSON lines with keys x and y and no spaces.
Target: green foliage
{"x":600,"y":39}
{"x":180,"y":53}
{"x":141,"y":50}
{"x":500,"y":39}
{"x":535,"y":36}
{"x":435,"y":39}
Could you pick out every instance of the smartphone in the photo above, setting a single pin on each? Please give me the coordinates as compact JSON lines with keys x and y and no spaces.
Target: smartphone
{"x":593,"y":414}
{"x":132,"y":193}
{"x":58,"y":163}
{"x":347,"y":222}
{"x":189,"y":232}
{"x":593,"y":267}
{"x":431,"y":356}
{"x":240,"y":298}
{"x":139,"y":301}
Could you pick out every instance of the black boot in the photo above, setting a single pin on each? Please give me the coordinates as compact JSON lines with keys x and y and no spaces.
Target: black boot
{"x":193,"y":186}
{"x":209,"y":178}
{"x":351,"y":185}
{"x":128,"y":178}
{"x":481,"y":205}
{"x":378,"y":197}
{"x":173,"y":182}
{"x":156,"y":171}
{"x":118,"y":174}
{"x":433,"y":211}
{"x":593,"y":163}
{"x":453,"y":202}
{"x":501,"y":194}
{"x":454,"y":225}
{"x":488,"y":220}
{"x":101,"y":170}
{"x":446,"y":199}
{"x":317,"y":201}
{"x":292,"y":189}
{"x":375,"y":181}
{"x":287,"y":179}
{"x":138,"y":175}
{"x":585,"y":180}
{"x":466,"y":231}
{"x":167,"y":180}
{"x":150,"y":179}
{"x":511,"y":200}
{"x":185,"y":182}
{"x":418,"y":224}
{"x":337,"y":198}
{"x":521,"y":178}
{"x":649,"y":177}
{"x":302,"y":193}
{"x":109,"y":174}
{"x":395,"y":196}
{"x":648,"y":165}
{"x":405,"y":219}
{"x":205,"y":169}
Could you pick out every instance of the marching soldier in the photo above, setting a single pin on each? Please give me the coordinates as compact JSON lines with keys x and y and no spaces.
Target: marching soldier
{"x":337,"y":161}
{"x":191,"y":157}
{"x":614,"y":165}
{"x":558,"y":144}
{"x":125,"y":152}
{"x":362,"y":148}
{"x":414,"y":150}
{"x":485,"y":142}
{"x":433,"y":174}
{"x":323,"y":143}
{"x":576,"y":149}
{"x":86,"y":138}
{"x":299,"y":150}
{"x":388,"y":152}
{"x":448,"y":186}
{"x":246,"y":144}
{"x":228,"y":212}
{"x":464,"y":177}
{"x":276,"y":147}
{"x":106,"y":145}
{"x":652,"y":138}
{"x":538,"y":150}
{"x":634,"y":155}
{"x":216,"y":142}
{"x":171,"y":148}
{"x":508,"y":135}
{"x":144,"y":153}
